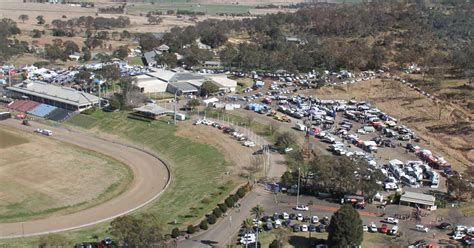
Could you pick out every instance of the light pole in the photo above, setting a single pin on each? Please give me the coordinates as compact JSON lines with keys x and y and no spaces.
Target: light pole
{"x":298,"y":192}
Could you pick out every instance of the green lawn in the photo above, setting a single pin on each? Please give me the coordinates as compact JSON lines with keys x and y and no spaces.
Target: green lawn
{"x":198,"y":172}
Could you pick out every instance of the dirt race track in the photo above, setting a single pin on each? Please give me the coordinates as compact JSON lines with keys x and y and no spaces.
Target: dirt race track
{"x":151,"y":177}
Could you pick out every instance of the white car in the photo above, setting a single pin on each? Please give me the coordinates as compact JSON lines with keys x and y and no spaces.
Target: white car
{"x":365,"y":228}
{"x":277,"y":223}
{"x":304,"y":228}
{"x":458,"y":236}
{"x":460,"y":228}
{"x":373,"y":227}
{"x":391,"y":220}
{"x":394,"y":230}
{"x":285,"y":215}
{"x":299,"y":217}
{"x":314,"y":219}
{"x":302,"y":208}
{"x":422,"y":228}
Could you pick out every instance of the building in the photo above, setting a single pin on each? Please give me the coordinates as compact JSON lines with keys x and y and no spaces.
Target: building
{"x":182,"y":88}
{"x":226,"y":84}
{"x":149,"y":84}
{"x":418,"y":200}
{"x":152,"y":111}
{"x":61,"y":97}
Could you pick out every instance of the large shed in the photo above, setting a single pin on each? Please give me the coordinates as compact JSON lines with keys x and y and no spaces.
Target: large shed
{"x":418,"y":199}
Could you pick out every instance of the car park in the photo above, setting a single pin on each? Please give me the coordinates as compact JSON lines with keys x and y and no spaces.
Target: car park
{"x":296,"y":228}
{"x":314,"y":219}
{"x":457,"y":235}
{"x":285,"y":215}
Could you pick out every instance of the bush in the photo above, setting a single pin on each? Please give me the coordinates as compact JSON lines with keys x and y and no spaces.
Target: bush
{"x":241,"y":192}
{"x":211,"y":219}
{"x":235,"y":198}
{"x":203,"y":225}
{"x":175,"y":233}
{"x":217,"y":212}
{"x":223,"y":207}
{"x":191,"y":229}
{"x":229,"y":202}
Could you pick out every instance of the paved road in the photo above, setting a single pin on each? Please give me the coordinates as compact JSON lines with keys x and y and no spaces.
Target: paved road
{"x":221,"y":233}
{"x":151,"y":177}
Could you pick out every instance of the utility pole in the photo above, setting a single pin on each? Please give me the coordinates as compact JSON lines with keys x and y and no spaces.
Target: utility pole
{"x":298,"y":192}
{"x":175,"y":107}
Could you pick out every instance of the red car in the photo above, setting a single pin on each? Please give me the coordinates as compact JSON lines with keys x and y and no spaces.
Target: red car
{"x":383,"y":228}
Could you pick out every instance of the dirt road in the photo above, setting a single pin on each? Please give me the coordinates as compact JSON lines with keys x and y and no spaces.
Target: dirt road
{"x":151,"y":177}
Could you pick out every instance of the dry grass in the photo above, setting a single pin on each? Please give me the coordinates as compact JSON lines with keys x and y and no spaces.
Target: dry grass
{"x":40,"y":176}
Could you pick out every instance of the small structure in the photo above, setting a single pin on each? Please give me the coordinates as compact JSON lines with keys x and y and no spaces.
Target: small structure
{"x":152,"y":111}
{"x":419,"y":200}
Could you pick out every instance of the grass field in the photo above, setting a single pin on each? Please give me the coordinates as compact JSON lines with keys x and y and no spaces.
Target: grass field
{"x":210,"y":9}
{"x":41,"y":176}
{"x":198,"y":180}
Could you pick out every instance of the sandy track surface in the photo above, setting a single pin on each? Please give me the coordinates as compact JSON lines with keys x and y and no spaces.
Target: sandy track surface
{"x":151,"y":177}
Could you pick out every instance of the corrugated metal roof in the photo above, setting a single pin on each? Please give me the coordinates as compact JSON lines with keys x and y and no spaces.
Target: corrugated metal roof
{"x":418,"y":198}
{"x":55,"y":93}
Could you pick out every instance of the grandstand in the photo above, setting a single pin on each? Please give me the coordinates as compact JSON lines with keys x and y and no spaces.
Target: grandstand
{"x":60,"y":114}
{"x":42,"y":110}
{"x":23,"y":105}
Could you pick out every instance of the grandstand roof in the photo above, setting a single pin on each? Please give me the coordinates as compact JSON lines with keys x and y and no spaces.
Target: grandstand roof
{"x":55,"y":93}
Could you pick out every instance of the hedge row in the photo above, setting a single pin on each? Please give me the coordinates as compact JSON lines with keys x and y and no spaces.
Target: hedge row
{"x":216,"y":213}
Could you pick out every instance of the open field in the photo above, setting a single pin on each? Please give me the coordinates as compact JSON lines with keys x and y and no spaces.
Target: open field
{"x":437,"y":124}
{"x":199,"y":181}
{"x":40,"y":177}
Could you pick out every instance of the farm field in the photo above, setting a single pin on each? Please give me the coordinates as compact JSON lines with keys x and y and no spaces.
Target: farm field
{"x":42,"y":177}
{"x":198,"y":181}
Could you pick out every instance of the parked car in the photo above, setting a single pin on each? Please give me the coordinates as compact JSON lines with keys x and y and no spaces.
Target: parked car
{"x":419,"y":244}
{"x":383,"y":228}
{"x":314,"y":219}
{"x":444,"y":226}
{"x":469,"y":241}
{"x":365,"y":228}
{"x":285,"y":215}
{"x":422,"y":228}
{"x":312,"y":228}
{"x":373,"y":227}
{"x":299,"y":217}
{"x":302,"y":208}
{"x":391,"y":220}
{"x":394,"y":230}
{"x":304,"y":228}
{"x":458,"y":236}
{"x":296,"y":228}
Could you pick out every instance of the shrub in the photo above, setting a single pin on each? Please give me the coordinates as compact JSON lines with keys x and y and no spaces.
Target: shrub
{"x":241,"y":192}
{"x":175,"y":232}
{"x":203,"y":225}
{"x":211,"y":219}
{"x":229,"y":202}
{"x":217,"y":212}
{"x":223,"y":207}
{"x":235,"y":198}
{"x":191,"y":229}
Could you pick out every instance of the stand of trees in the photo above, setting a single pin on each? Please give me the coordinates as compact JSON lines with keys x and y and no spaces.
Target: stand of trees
{"x":345,"y":228}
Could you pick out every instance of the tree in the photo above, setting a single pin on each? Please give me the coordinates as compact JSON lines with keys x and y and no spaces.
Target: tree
{"x":458,"y":187}
{"x":153,"y":20}
{"x":167,"y":59}
{"x":131,"y":94}
{"x":257,"y":211}
{"x":109,"y":73}
{"x":70,"y":47}
{"x":175,"y":233}
{"x":121,"y":52}
{"x":86,"y":54}
{"x":203,"y":225}
{"x":228,"y":55}
{"x":23,"y":18}
{"x":217,"y":212}
{"x":191,"y":229}
{"x":35,"y":33}
{"x":40,"y":20}
{"x":275,"y":244}
{"x":140,"y":232}
{"x":54,"y":240}
{"x":345,"y":228}
{"x":285,"y":140}
{"x":193,"y":103}
{"x":211,"y":219}
{"x":247,"y":225}
{"x":208,"y":88}
{"x":223,"y":207}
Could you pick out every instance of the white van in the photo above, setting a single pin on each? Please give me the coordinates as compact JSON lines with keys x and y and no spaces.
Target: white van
{"x":422,"y":228}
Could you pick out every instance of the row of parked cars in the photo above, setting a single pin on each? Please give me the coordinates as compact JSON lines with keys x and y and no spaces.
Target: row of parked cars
{"x":244,"y":140}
